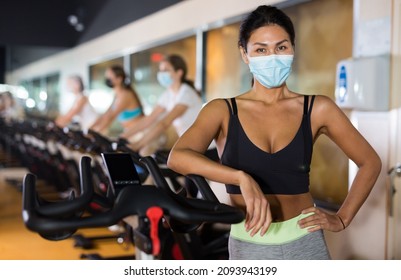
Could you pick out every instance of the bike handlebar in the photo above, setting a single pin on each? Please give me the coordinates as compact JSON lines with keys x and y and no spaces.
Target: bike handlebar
{"x":57,"y":209}
{"x":132,"y":200}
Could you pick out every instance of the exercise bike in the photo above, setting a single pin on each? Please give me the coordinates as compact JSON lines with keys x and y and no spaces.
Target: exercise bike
{"x":157,"y":209}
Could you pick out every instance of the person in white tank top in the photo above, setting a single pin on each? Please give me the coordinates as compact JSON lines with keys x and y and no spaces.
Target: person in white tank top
{"x":81,"y":111}
{"x":174,"y":113}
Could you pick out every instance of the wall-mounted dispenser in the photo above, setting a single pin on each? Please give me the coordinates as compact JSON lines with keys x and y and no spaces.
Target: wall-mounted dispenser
{"x":363,"y":83}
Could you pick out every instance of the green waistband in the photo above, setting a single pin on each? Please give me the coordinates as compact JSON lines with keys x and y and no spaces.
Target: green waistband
{"x":278,"y":233}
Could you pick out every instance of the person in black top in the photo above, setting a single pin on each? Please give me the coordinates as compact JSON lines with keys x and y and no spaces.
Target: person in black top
{"x":264,"y":138}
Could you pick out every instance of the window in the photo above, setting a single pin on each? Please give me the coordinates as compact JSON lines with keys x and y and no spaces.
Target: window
{"x":42,"y":96}
{"x":51,"y":95}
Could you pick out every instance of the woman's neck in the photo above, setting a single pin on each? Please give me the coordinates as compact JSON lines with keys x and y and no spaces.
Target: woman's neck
{"x":269,"y":95}
{"x":118,"y":89}
{"x":175,"y":87}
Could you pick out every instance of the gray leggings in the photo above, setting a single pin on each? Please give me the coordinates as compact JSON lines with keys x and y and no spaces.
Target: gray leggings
{"x":309,"y":247}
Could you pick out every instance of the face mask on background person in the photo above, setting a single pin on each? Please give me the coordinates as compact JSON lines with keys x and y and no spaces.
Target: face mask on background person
{"x":271,"y":70}
{"x":164,"y":79}
{"x":109,"y":83}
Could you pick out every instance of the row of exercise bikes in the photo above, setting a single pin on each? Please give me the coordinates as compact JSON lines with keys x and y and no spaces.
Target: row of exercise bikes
{"x":101,"y":182}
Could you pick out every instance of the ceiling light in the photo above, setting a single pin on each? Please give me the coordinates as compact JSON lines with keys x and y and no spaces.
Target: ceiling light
{"x":76,"y":21}
{"x":79,"y":27}
{"x":73,"y":20}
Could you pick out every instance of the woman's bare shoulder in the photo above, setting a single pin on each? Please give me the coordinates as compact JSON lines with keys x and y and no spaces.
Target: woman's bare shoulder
{"x":216,"y":110}
{"x":327,"y":114}
{"x":324,"y":104}
{"x":216,"y":104}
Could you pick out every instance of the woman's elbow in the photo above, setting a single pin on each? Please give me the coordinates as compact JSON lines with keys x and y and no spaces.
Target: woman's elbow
{"x":377,"y":164}
{"x":372,"y":165}
{"x":172,"y":161}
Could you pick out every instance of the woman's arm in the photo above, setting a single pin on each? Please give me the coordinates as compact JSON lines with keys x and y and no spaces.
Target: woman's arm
{"x":144,"y":122}
{"x":104,"y":121}
{"x":187,"y":157}
{"x":336,"y":125}
{"x":160,"y":127}
{"x":75,"y":109}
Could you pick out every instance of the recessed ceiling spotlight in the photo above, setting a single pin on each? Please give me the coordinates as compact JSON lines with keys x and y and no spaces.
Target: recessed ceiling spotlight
{"x":73,"y":20}
{"x":79,"y":27}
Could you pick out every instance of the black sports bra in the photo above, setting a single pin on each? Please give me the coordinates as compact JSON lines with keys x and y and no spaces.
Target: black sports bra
{"x":283,"y":172}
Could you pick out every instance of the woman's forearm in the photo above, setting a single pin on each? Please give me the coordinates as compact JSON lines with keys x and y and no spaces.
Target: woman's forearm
{"x":186,"y":161}
{"x":97,"y":122}
{"x":150,"y":136}
{"x":360,"y":189}
{"x":61,"y":121}
{"x":136,"y":127}
{"x":100,"y":125}
{"x":144,"y":122}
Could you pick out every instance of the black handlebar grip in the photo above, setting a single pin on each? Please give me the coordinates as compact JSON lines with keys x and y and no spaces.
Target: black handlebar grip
{"x":71,"y":207}
{"x":203,"y":187}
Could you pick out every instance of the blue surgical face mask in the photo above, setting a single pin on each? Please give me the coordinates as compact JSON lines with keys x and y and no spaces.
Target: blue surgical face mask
{"x":164,"y":79}
{"x":271,"y":70}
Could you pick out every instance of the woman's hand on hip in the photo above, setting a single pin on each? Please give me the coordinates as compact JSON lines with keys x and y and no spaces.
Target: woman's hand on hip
{"x":321,"y":220}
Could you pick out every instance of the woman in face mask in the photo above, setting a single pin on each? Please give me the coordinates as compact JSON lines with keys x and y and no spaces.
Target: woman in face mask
{"x":178,"y":108}
{"x":126,"y":107}
{"x":265,"y":139}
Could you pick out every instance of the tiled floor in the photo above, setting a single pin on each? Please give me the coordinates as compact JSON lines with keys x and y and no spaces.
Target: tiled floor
{"x":18,"y":243}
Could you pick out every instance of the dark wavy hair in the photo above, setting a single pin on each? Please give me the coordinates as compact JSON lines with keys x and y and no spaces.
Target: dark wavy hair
{"x":119,"y":71}
{"x":179,"y":63}
{"x":262,"y":16}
